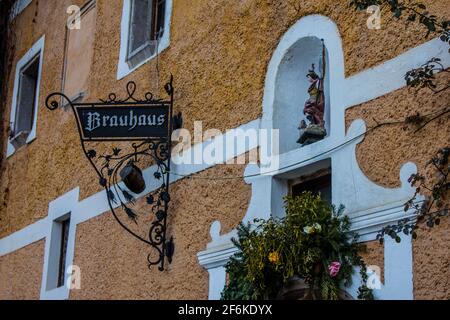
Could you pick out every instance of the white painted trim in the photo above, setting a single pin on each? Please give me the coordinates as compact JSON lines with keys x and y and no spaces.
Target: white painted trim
{"x":219,"y":250}
{"x":310,"y":26}
{"x":22,"y":238}
{"x":95,"y":205}
{"x":390,"y":75}
{"x":398,"y":272}
{"x":123,"y":69}
{"x":36,"y":49}
{"x":215,"y":288}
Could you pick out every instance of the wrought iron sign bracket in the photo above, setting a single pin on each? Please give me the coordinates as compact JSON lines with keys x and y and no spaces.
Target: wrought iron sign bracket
{"x":116,"y":136}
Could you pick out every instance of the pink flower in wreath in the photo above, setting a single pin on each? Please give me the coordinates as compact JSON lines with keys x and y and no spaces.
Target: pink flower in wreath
{"x":334,"y":268}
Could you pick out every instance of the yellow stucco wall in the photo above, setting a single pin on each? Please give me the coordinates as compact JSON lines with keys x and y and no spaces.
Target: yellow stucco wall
{"x":21,"y":273}
{"x":218,"y":55}
{"x":191,"y":216}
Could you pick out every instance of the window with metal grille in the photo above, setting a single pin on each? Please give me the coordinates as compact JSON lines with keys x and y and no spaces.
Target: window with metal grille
{"x":65,"y":225}
{"x":146,"y":28}
{"x":26,"y":100}
{"x":79,"y":53}
{"x":319,"y":184}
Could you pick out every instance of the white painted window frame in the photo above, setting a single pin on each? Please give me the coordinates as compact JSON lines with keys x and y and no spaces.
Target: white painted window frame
{"x":36,"y":49}
{"x":59,"y":210}
{"x":123,"y":68}
{"x":133,"y":54}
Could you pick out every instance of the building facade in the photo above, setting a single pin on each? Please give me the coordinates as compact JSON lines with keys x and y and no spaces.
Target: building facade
{"x":238,"y":68}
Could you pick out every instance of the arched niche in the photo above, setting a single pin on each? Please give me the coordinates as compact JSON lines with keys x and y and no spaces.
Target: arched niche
{"x":285,"y":90}
{"x":291,"y":89}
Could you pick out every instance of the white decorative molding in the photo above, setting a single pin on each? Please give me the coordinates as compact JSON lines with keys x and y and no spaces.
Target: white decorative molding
{"x":216,"y":287}
{"x":36,"y":49}
{"x":311,"y":26}
{"x":123,"y":69}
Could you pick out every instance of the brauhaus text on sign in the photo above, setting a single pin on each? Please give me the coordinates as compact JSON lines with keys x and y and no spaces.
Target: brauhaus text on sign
{"x":138,"y":122}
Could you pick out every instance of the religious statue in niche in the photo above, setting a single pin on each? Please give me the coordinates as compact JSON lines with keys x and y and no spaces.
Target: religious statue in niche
{"x":314,"y":108}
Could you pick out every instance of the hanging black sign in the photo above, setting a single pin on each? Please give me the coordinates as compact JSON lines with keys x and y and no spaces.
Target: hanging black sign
{"x":143,"y":126}
{"x":124,"y":122}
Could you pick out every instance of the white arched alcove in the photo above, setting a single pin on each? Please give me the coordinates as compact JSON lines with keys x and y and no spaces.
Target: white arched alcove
{"x":286,"y":81}
{"x":291,"y":89}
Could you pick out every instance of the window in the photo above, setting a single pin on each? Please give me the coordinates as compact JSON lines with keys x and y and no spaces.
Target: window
{"x":63,"y":252}
{"x":59,"y":275}
{"x":56,"y":272}
{"x":22,"y":129}
{"x":146,"y":26}
{"x":144,"y":32}
{"x":320,"y":184}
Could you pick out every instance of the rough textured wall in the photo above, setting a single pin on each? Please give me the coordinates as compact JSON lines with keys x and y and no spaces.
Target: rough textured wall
{"x":384,"y":151}
{"x":218,"y":54}
{"x":21,"y":273}
{"x":114,"y":265}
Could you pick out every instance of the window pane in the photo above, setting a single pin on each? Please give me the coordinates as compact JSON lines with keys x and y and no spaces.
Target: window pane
{"x":26,"y":97}
{"x":161,"y":8}
{"x":320,"y":185}
{"x":141,"y":25}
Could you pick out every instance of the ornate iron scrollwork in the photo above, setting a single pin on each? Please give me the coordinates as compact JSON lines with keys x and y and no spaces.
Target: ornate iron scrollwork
{"x":132,"y":151}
